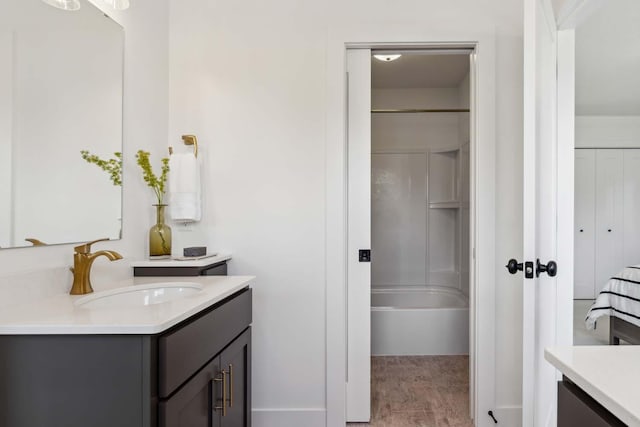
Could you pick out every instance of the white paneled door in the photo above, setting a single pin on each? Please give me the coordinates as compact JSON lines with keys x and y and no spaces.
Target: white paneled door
{"x":543,"y":293}
{"x":609,"y":222}
{"x":631,"y":206}
{"x":585,"y":224}
{"x":359,"y":235}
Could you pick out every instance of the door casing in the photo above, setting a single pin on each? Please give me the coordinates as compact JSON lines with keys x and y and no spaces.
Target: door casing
{"x":482,"y":227}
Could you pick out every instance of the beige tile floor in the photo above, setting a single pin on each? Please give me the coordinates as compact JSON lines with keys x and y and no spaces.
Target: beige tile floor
{"x":419,"y":391}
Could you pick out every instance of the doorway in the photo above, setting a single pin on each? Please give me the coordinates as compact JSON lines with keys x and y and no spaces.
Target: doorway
{"x":410,"y":138}
{"x":420,"y":147}
{"x":607,"y":175}
{"x":339,"y":249}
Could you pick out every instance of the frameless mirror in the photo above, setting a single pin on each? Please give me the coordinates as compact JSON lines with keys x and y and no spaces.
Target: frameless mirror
{"x":61,"y":91}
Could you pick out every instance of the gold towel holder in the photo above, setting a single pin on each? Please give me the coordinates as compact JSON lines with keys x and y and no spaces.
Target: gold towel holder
{"x":189,"y":140}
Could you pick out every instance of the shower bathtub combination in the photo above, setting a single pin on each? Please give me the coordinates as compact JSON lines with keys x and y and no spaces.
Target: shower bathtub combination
{"x":419,"y":321}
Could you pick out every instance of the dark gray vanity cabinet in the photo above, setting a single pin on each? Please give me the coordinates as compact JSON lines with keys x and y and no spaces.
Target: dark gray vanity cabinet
{"x":197,"y":373}
{"x":577,"y":409}
{"x":219,"y":395}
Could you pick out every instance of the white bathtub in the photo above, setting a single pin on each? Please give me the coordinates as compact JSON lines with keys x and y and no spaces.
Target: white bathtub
{"x":426,"y":321}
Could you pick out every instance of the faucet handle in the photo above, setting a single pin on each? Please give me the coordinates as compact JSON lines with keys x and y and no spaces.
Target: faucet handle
{"x":86,"y":248}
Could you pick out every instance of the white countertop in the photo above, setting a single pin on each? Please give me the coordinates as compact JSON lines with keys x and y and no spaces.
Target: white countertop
{"x":203,"y":262}
{"x":58,"y":314}
{"x":609,"y":374}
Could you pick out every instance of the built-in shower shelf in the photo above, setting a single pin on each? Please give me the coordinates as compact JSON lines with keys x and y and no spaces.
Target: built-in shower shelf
{"x":444,"y":205}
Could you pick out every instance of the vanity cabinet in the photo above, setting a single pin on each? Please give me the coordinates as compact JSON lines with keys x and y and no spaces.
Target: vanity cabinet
{"x":218,"y":396}
{"x":577,"y":409}
{"x":198,"y":373}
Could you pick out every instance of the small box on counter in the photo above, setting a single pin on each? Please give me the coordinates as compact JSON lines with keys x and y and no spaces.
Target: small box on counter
{"x":195,"y":251}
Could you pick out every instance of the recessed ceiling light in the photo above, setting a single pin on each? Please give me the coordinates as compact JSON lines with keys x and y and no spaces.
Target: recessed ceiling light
{"x":64,"y":4}
{"x":387,"y":58}
{"x":118,"y":4}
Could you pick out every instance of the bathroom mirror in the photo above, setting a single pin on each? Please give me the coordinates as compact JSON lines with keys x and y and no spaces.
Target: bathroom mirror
{"x":61,"y":91}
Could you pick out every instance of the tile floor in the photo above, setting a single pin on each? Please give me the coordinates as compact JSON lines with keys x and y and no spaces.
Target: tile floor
{"x":419,"y":391}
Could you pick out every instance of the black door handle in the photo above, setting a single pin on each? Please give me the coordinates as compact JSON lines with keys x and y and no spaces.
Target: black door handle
{"x":551,"y":268}
{"x":514,"y":266}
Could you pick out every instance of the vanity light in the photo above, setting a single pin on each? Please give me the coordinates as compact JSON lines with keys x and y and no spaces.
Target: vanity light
{"x":387,"y":58}
{"x":64,"y":4}
{"x":118,"y":4}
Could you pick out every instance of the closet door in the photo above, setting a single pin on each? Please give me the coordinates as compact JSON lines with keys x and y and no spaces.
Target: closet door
{"x":609,"y":215}
{"x":631,"y":207}
{"x":585,"y":221}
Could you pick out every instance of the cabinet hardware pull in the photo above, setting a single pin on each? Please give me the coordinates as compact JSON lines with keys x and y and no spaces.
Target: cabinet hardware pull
{"x":224,"y":393}
{"x":230,"y":385}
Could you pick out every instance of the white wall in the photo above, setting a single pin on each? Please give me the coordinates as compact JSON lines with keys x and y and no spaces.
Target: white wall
{"x":30,"y":272}
{"x":250,"y":80}
{"x":6,"y":131}
{"x":607,"y":80}
{"x":607,"y":131}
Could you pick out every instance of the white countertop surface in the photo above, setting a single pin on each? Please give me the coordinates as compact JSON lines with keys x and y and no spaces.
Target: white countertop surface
{"x":182,"y":263}
{"x":59,"y":315}
{"x":609,"y":374}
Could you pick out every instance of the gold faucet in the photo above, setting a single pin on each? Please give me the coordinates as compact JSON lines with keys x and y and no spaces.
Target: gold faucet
{"x":82,"y":262}
{"x":35,"y":242}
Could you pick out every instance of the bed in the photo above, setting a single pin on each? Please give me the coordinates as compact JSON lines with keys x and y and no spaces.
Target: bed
{"x":619,"y":299}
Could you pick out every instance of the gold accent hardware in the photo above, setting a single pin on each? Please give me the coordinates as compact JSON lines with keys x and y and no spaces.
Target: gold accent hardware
{"x":188,"y":140}
{"x":230,"y":385}
{"x":35,"y":242}
{"x":224,"y":393}
{"x":82,"y":262}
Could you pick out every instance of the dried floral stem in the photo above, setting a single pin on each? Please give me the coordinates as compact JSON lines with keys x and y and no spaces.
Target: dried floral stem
{"x":157,"y":184}
{"x":112,"y":166}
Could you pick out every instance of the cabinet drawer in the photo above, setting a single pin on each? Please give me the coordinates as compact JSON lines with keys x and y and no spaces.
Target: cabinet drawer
{"x":185,"y":350}
{"x":577,"y":408}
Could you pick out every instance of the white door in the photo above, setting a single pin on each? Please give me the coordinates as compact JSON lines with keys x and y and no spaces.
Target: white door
{"x":359,"y":235}
{"x":585,"y":224}
{"x":609,"y":211}
{"x":631,"y":228}
{"x":543,"y":295}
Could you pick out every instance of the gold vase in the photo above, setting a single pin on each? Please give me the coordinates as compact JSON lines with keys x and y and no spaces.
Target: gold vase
{"x":160,"y":235}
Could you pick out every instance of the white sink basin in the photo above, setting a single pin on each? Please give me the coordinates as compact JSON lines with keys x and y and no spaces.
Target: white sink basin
{"x":139,"y":295}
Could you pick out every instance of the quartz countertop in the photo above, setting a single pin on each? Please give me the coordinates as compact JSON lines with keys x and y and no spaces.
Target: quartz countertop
{"x":57,"y":315}
{"x":609,"y":374}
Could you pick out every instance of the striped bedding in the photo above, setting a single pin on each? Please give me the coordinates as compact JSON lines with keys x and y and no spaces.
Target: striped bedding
{"x":620,"y":297}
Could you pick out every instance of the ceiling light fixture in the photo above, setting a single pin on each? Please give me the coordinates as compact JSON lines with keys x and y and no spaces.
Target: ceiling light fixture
{"x":118,"y":4}
{"x":387,"y":58}
{"x":64,"y":4}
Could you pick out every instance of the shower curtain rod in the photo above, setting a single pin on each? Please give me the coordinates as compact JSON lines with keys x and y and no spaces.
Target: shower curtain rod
{"x":415,"y":110}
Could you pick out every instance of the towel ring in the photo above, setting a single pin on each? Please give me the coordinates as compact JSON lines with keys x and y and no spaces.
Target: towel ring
{"x":188,"y":140}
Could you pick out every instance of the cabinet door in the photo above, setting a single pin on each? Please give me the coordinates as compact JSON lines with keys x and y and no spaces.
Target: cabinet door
{"x":585,"y":221}
{"x":609,"y":218}
{"x":631,"y":207}
{"x":194,"y":405}
{"x":236,"y":361}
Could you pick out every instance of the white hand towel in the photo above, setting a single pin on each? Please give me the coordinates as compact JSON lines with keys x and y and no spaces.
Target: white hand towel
{"x":185,"y":203}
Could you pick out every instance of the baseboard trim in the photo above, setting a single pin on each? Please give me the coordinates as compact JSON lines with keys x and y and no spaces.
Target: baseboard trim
{"x":509,"y":415}
{"x":307,"y":417}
